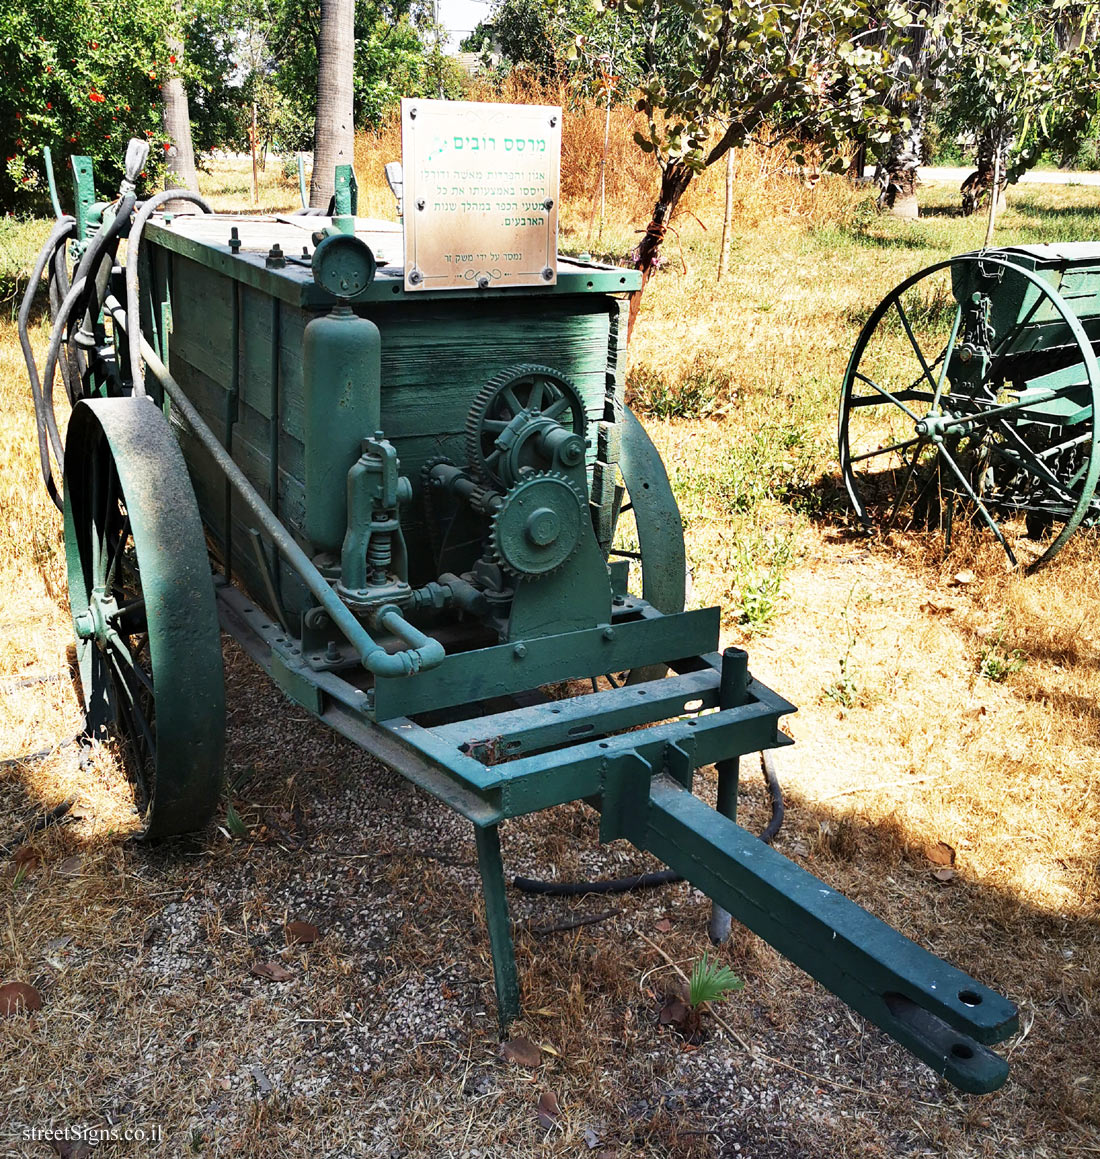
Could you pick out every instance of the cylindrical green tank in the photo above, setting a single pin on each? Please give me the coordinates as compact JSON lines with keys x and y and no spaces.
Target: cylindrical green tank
{"x":342,"y":380}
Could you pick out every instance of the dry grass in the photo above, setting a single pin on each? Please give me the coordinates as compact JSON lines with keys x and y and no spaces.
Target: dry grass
{"x":384,"y":1042}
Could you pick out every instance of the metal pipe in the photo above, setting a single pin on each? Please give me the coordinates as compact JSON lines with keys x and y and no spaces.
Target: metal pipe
{"x":47,"y":156}
{"x":374,"y":657}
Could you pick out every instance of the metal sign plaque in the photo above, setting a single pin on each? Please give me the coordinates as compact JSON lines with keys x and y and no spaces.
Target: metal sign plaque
{"x":481,"y":194}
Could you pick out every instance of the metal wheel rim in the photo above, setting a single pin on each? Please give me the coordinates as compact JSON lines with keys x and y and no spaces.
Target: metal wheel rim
{"x":944,"y":460}
{"x":142,"y":600}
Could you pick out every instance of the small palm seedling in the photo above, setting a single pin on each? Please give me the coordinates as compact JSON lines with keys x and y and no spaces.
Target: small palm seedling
{"x":711,"y":982}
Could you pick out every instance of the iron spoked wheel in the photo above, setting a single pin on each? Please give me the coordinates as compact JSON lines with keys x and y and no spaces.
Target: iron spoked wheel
{"x":959,"y":412}
{"x":142,"y":599}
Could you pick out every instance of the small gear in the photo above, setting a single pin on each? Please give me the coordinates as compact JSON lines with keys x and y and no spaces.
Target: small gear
{"x":538,"y":525}
{"x":521,"y":390}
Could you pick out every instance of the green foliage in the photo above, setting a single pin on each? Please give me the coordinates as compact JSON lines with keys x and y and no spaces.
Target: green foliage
{"x":845,"y":691}
{"x":396,"y":55}
{"x":695,"y":395}
{"x":996,"y":663}
{"x":84,"y":78}
{"x":760,"y":565}
{"x":802,"y":67}
{"x":1011,"y":74}
{"x":711,"y":982}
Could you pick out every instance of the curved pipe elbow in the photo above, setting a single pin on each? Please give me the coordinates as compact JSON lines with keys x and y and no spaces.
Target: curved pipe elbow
{"x":423,"y":652}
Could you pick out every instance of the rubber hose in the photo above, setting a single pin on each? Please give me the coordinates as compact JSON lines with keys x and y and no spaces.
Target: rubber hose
{"x":83,"y":292}
{"x":133,"y":248}
{"x":74,"y":359}
{"x":46,"y":430}
{"x":663,"y":876}
{"x":89,"y":265}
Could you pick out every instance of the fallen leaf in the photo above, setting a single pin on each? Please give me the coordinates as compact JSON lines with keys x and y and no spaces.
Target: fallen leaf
{"x":71,"y":866}
{"x":72,"y":1149}
{"x":446,"y":991}
{"x":940,"y":854}
{"x":964,"y":577}
{"x":25,"y":856}
{"x":549,"y":1112}
{"x":301,"y":933}
{"x":945,"y":875}
{"x":591,"y":1139}
{"x":17,"y":997}
{"x":663,"y":926}
{"x":549,"y":1048}
{"x":934,"y":609}
{"x":263,"y":1083}
{"x":522,"y":1051}
{"x":674,"y":1012}
{"x":608,"y":1153}
{"x":272,"y":971}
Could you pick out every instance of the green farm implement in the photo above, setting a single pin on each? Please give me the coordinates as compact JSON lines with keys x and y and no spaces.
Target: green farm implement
{"x":971,"y":399}
{"x":416,"y":506}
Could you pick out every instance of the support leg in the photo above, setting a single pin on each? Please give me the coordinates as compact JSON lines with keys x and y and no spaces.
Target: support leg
{"x":732,"y":692}
{"x":728,"y":775}
{"x":498,"y":923}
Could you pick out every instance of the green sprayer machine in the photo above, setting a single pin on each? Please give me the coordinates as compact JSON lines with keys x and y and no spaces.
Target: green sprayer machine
{"x":971,"y":400}
{"x":394,"y":463}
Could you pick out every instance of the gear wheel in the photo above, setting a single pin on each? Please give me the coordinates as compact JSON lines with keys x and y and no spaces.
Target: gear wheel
{"x":538,"y":525}
{"x":530,"y":389}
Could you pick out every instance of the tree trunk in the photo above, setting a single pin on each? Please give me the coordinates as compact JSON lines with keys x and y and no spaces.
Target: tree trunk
{"x":647,"y":257}
{"x":976,"y":188}
{"x":334,"y":129}
{"x":727,"y":220}
{"x":898,"y":194}
{"x":180,"y":158}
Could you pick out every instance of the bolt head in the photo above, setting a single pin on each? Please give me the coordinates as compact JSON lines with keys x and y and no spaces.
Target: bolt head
{"x":519,"y":651}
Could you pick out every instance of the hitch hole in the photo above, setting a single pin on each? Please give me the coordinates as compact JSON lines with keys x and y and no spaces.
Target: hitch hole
{"x":556,"y":711}
{"x":961,"y":1050}
{"x":691,"y":723}
{"x":969,"y":998}
{"x":604,"y":744}
{"x":580,"y":729}
{"x":641,"y":692}
{"x":693,"y":706}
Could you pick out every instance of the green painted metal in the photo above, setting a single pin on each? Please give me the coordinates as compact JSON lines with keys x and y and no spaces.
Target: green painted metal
{"x":294,"y":283}
{"x":142,"y":601}
{"x":498,"y":923}
{"x":83,"y":194}
{"x":1001,"y":417}
{"x":51,"y":181}
{"x":514,"y":667}
{"x":342,"y":373}
{"x":936,"y":1011}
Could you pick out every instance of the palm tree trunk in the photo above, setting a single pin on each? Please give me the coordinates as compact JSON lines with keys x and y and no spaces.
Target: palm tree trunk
{"x":898,"y":194}
{"x":334,"y":130}
{"x":180,"y":158}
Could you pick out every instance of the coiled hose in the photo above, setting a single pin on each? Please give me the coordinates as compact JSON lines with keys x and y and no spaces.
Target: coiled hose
{"x":133,"y":248}
{"x":45,"y":423}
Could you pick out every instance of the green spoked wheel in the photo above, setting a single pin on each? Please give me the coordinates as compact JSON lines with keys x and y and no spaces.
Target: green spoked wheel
{"x":142,"y":599}
{"x":970,"y":400}
{"x":649,"y":530}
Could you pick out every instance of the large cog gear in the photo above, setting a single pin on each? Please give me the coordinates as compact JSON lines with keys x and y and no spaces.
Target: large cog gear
{"x":528,"y":388}
{"x":538,"y":525}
